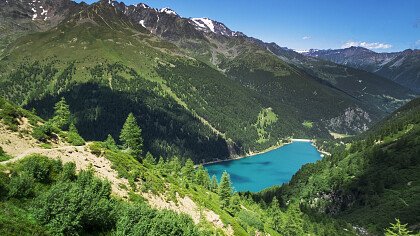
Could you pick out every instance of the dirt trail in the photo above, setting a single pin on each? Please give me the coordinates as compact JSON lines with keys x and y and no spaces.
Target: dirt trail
{"x":13,"y":143}
{"x":187,"y":206}
{"x":83,"y":159}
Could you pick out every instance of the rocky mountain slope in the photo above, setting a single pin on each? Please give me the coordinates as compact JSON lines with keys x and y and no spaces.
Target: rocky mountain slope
{"x":401,"y":67}
{"x":195,"y":85}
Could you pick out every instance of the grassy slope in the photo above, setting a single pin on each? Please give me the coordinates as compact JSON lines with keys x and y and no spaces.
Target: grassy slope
{"x":369,"y":180}
{"x":225,"y":87}
{"x":161,"y":179}
{"x":92,"y":54}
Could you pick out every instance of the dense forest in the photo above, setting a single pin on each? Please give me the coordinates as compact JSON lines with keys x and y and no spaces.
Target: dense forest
{"x":43,"y":195}
{"x":187,"y":103}
{"x":368,"y":180}
{"x":108,"y":111}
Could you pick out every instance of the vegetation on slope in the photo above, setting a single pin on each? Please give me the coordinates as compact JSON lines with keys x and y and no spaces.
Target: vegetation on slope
{"x":369,"y":180}
{"x":82,"y":204}
{"x":186,"y":107}
{"x":43,"y":196}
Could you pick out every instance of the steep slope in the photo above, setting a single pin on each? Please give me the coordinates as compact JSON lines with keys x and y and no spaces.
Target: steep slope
{"x":401,"y":67}
{"x":94,"y":55}
{"x":369,"y":180}
{"x":64,"y":189}
{"x":363,"y":86}
{"x":195,"y":85}
{"x":21,"y":17}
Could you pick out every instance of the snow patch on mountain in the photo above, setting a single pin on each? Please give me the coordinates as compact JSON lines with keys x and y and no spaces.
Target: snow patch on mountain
{"x":204,"y":23}
{"x":168,"y":11}
{"x":142,"y":23}
{"x":142,"y":5}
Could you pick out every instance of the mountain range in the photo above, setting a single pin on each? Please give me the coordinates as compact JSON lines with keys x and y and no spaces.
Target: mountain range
{"x":108,"y":109}
{"x":194,"y":84}
{"x":401,"y":67}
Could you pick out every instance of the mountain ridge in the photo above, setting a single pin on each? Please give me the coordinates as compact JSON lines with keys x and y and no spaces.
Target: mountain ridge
{"x":400,"y":67}
{"x":107,"y":47}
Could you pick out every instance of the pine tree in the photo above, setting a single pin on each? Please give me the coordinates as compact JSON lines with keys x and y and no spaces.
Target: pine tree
{"x":175,"y":166}
{"x":225,"y":190}
{"x":202,"y":177}
{"x":398,"y":229}
{"x":235,"y":204}
{"x":61,"y":118}
{"x":188,"y":170}
{"x":214,"y":185}
{"x":73,"y":136}
{"x":275,"y":214}
{"x":110,"y":143}
{"x":149,"y":160}
{"x":161,"y":164}
{"x":131,"y":136}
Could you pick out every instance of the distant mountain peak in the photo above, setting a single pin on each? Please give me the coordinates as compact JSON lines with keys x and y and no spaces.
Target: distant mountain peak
{"x":204,"y":23}
{"x":142,"y":5}
{"x":168,"y":11}
{"x":208,"y":25}
{"x":357,"y":48}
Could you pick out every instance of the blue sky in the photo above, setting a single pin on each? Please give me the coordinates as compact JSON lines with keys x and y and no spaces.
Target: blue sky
{"x":381,"y":25}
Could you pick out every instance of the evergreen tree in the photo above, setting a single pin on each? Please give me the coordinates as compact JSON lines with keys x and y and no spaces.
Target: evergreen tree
{"x":202,"y":177}
{"x":61,"y":118}
{"x":275,"y":214}
{"x":214,"y":185}
{"x":235,"y":204}
{"x":398,"y":229}
{"x":225,"y":190}
{"x":188,"y":170}
{"x":149,"y":160}
{"x":131,"y":136}
{"x":73,"y":136}
{"x":110,"y":143}
{"x":161,"y":164}
{"x":175,"y":166}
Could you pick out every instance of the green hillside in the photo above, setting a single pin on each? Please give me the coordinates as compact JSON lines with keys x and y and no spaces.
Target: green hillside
{"x":369,"y":180}
{"x":44,"y":195}
{"x":106,"y":67}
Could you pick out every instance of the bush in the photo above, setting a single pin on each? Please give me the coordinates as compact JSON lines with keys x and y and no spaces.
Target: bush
{"x":251,"y":219}
{"x":3,"y":155}
{"x":96,"y":148}
{"x":139,"y":219}
{"x":73,"y":136}
{"x":73,"y":207}
{"x":41,"y":168}
{"x":21,"y":186}
{"x":44,"y":132}
{"x":4,"y":179}
{"x":69,"y":172}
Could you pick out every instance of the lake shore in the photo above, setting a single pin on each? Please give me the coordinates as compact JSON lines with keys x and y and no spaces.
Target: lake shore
{"x":251,"y":154}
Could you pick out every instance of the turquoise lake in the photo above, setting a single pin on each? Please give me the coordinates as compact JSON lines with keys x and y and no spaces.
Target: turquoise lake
{"x":275,"y":167}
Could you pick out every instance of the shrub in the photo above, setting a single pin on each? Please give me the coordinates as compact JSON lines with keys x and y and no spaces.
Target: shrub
{"x":44,"y":132}
{"x":73,"y":136}
{"x":139,"y":219}
{"x":251,"y":219}
{"x":41,"y":168}
{"x":3,"y":155}
{"x":96,"y":148}
{"x":69,"y":172}
{"x":73,"y":207}
{"x":21,"y":186}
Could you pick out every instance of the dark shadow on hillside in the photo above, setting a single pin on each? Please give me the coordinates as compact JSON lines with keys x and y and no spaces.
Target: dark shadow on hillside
{"x":168,"y":129}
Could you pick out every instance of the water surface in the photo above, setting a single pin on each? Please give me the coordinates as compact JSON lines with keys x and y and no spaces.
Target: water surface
{"x":265,"y":170}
